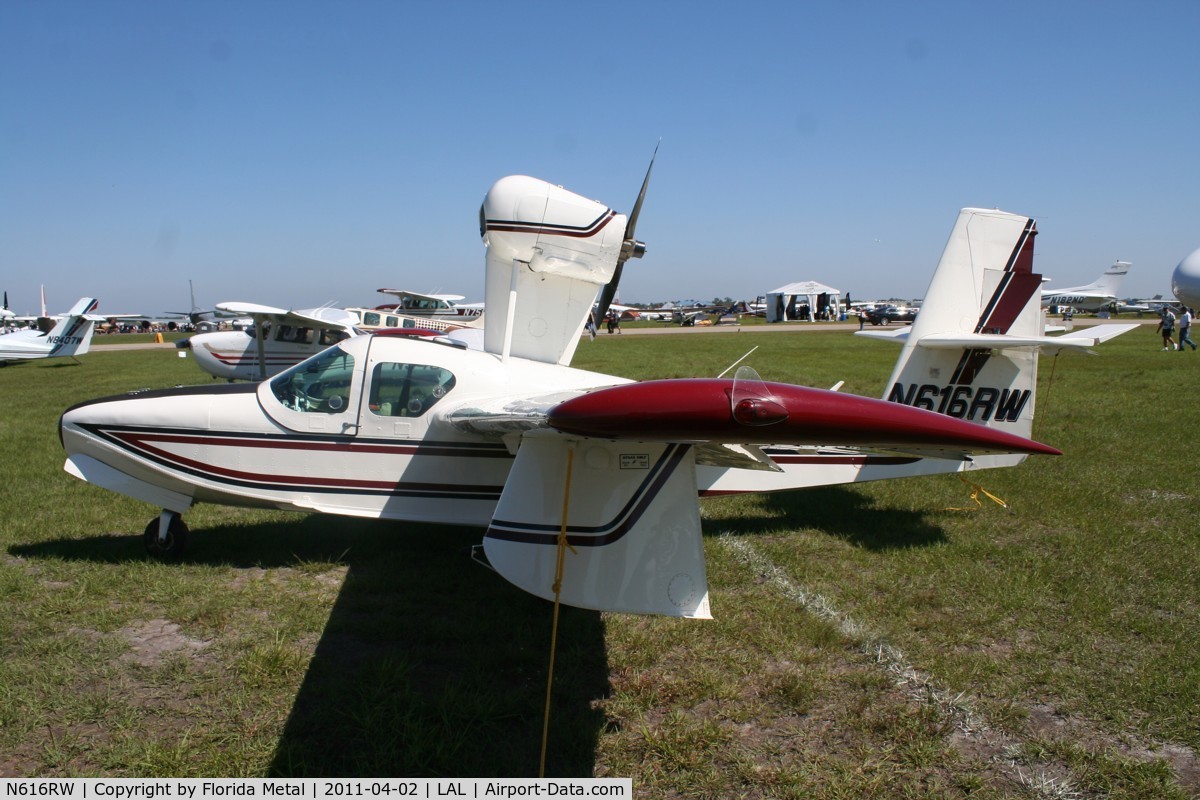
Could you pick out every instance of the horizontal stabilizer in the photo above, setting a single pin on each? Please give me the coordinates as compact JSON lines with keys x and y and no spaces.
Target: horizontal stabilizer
{"x":1079,"y":339}
{"x":1101,"y":333}
{"x":632,"y":525}
{"x":890,"y":335}
{"x":1076,"y":340}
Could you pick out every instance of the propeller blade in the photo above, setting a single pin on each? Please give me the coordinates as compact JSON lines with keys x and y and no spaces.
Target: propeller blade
{"x":637,"y":207}
{"x":607,"y":294}
{"x":630,"y":248}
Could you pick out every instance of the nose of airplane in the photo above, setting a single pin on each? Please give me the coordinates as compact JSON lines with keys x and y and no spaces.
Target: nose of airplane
{"x":1185,"y":281}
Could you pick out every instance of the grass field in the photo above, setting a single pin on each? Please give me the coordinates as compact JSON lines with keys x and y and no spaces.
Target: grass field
{"x":868,"y":641}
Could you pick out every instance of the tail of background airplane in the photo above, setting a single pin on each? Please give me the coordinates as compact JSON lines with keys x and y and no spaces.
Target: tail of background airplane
{"x":72,"y":335}
{"x":1110,"y":281}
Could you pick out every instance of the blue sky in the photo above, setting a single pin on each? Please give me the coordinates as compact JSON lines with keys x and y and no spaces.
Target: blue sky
{"x":297,"y":153}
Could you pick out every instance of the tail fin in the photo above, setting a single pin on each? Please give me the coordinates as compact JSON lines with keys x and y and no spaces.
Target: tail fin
{"x":72,"y":335}
{"x":1111,"y":280}
{"x":972,"y":352}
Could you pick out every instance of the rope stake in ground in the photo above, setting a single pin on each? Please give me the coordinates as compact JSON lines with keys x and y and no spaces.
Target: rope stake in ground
{"x":975,"y":490}
{"x":560,"y":559}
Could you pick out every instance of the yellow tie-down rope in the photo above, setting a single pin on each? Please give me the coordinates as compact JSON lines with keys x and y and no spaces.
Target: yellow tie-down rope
{"x":563,"y":546}
{"x":975,"y":490}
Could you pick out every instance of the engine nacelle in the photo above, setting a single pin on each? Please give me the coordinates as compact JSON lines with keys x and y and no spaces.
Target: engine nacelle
{"x":553,"y":249}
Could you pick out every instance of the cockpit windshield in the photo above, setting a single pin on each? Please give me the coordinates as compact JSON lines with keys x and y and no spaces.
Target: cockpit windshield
{"x":320,"y":384}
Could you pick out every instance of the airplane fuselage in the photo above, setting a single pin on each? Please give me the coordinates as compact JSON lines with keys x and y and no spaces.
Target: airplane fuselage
{"x":1185,"y":280}
{"x":1082,"y":302}
{"x":379,"y":427}
{"x":361,"y":435}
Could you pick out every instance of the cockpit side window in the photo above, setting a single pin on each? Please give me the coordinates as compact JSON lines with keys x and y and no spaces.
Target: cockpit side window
{"x":293,"y":333}
{"x":321,"y":384}
{"x":331,"y":336}
{"x":407,"y":390}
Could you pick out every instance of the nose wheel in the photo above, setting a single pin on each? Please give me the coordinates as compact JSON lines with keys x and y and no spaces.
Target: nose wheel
{"x":166,"y":536}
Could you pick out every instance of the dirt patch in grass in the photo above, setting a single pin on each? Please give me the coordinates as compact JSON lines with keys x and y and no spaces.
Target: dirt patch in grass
{"x":151,"y":641}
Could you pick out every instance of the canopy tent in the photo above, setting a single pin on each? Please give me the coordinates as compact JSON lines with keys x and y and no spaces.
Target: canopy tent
{"x":807,"y":300}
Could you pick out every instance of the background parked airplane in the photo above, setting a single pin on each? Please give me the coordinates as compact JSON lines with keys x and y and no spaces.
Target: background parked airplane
{"x":70,"y":335}
{"x":277,"y":339}
{"x":1185,"y":281}
{"x":198,"y":318}
{"x":1098,"y":295}
{"x":438,"y":312}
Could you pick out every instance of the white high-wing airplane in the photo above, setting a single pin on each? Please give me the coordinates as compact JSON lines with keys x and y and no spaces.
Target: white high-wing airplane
{"x":1096,"y":296}
{"x":278,"y":339}
{"x":419,"y":304}
{"x":1185,"y":280}
{"x":545,"y":456}
{"x":71,"y":335}
{"x":434,"y":312}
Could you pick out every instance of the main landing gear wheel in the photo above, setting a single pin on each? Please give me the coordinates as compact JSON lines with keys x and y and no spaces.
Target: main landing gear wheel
{"x":176,"y":541}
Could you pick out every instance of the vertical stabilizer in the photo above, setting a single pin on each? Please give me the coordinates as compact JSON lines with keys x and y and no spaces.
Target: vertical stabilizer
{"x":72,"y":335}
{"x":984,"y":285}
{"x":1110,"y":282}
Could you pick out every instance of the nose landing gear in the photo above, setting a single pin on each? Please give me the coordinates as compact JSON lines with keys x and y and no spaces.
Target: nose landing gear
{"x":166,"y":536}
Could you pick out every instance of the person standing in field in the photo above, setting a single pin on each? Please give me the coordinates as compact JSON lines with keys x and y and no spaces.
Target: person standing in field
{"x":1166,"y":326}
{"x":1185,"y":325}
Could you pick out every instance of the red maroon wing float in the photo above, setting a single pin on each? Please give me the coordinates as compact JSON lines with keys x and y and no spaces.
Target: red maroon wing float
{"x":429,"y":430}
{"x":706,"y":410}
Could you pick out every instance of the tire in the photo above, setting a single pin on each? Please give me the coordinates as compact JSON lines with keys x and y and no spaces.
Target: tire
{"x":177,"y":538}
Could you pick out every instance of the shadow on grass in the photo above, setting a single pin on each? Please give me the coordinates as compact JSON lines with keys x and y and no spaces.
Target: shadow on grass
{"x":429,"y":665}
{"x":842,"y":512}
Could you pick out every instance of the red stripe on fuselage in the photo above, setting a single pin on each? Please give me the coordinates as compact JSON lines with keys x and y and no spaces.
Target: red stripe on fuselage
{"x":143,"y":443}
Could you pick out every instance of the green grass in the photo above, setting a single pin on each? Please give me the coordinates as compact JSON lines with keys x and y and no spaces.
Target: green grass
{"x":867,"y":642}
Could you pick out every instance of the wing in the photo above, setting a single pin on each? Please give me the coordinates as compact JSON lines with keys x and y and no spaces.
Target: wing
{"x":403,"y":293}
{"x":322,"y":317}
{"x":611,"y":473}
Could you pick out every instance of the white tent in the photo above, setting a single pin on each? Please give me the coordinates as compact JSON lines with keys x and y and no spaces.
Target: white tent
{"x":804,"y":300}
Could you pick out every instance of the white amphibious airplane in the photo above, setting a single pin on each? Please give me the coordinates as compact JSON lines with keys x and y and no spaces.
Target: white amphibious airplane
{"x":1185,"y":280}
{"x":511,"y":438}
{"x":1096,"y":296}
{"x":71,"y":335}
{"x":279,"y":338}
